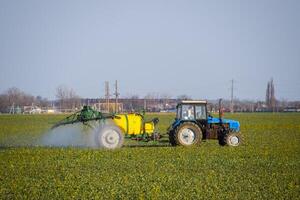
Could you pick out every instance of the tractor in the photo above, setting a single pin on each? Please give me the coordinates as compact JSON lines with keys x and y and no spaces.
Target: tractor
{"x":193,"y":124}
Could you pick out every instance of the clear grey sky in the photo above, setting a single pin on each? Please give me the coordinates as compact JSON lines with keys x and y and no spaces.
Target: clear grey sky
{"x":174,"y":47}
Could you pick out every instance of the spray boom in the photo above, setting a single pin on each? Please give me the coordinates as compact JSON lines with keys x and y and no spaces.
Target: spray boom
{"x":84,"y":115}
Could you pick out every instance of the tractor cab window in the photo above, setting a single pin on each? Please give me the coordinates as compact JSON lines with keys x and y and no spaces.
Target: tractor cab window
{"x":178,"y":112}
{"x":188,"y":112}
{"x":200,"y":112}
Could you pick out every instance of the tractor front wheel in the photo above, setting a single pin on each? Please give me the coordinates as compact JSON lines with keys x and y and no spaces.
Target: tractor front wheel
{"x":109,"y":137}
{"x":232,"y":139}
{"x":188,"y":134}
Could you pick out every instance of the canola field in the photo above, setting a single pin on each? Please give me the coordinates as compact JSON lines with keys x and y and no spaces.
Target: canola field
{"x":265,"y":166}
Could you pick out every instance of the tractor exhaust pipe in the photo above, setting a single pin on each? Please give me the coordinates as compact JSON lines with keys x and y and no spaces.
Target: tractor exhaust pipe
{"x":220,"y":111}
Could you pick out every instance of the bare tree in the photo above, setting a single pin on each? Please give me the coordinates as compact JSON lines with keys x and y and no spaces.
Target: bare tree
{"x":19,"y":97}
{"x":61,"y":95}
{"x":14,"y":96}
{"x":74,"y":99}
{"x":68,"y":99}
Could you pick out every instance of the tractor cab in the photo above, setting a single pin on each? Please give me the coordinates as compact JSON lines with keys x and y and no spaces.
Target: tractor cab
{"x":192,"y":111}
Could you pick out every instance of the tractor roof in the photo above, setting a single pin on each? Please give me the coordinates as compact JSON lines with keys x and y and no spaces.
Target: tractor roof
{"x":193,"y":102}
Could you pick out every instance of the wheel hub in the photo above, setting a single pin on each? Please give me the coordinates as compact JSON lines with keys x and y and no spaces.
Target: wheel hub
{"x":234,"y":140}
{"x":187,"y":136}
{"x":110,"y":139}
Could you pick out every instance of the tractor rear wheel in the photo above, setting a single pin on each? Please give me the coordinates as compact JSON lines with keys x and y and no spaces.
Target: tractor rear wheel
{"x":172,"y":138}
{"x":188,"y":134}
{"x":109,"y":137}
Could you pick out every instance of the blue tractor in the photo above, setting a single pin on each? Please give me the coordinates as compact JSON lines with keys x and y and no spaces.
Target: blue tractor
{"x":193,"y":124}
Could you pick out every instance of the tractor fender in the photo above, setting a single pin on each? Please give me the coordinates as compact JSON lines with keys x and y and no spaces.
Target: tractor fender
{"x":178,"y":123}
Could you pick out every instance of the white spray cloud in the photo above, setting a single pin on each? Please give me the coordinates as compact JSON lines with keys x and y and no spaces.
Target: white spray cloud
{"x":75,"y":135}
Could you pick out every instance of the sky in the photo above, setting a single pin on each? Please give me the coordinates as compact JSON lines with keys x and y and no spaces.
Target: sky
{"x":167,"y":47}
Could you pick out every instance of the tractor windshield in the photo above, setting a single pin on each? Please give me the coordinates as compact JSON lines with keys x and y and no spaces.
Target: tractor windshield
{"x":191,"y":112}
{"x":188,"y":112}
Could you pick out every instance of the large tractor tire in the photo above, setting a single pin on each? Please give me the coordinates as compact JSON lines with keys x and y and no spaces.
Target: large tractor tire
{"x":231,"y":139}
{"x":188,"y":134}
{"x":172,"y":138}
{"x":109,"y":137}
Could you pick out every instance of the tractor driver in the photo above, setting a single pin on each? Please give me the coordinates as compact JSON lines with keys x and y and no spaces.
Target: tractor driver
{"x":190,"y":112}
{"x":187,"y":112}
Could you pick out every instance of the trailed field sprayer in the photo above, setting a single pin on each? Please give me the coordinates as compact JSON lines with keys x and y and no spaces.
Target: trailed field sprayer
{"x":191,"y":125}
{"x":114,"y":127}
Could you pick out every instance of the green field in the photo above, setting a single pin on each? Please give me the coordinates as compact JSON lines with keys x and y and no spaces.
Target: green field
{"x":266,"y":166}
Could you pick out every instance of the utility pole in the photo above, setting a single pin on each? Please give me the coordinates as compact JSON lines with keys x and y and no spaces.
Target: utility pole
{"x":231,"y":99}
{"x":145,"y":104}
{"x":116,"y":96}
{"x":107,"y":95}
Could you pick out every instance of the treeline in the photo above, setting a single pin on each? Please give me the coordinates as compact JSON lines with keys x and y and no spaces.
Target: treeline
{"x":15,"y":97}
{"x":68,"y":101}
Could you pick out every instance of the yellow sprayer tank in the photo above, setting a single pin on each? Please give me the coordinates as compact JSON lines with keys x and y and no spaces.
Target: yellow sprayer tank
{"x":133,"y":124}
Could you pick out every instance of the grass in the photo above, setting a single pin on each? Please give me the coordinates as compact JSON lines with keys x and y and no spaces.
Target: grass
{"x":266,"y":166}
